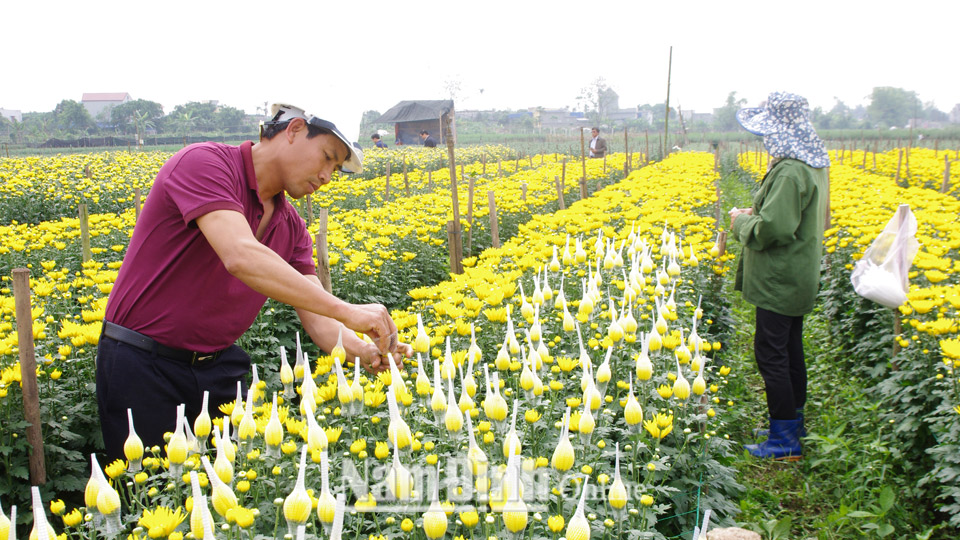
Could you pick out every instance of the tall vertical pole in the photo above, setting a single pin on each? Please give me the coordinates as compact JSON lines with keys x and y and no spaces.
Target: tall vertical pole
{"x":666,"y":116}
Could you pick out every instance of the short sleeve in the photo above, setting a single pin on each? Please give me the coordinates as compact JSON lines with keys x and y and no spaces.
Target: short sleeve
{"x":201,"y":181}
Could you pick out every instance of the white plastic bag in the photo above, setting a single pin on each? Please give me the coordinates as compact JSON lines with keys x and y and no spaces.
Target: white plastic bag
{"x":881,"y":274}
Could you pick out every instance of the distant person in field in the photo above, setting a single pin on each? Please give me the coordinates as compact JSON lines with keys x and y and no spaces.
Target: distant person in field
{"x":598,"y":145}
{"x":428,"y":141}
{"x":779,"y":267}
{"x":377,"y":143}
{"x":216,"y":238}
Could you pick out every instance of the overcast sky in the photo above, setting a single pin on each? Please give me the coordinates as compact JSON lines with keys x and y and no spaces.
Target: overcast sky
{"x":340,"y":59}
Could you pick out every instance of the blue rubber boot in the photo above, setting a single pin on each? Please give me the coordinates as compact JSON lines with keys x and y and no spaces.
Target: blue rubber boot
{"x":757,"y":433}
{"x":783,"y":443}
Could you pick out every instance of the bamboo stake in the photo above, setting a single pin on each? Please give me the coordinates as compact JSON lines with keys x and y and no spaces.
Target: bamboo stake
{"x":666,"y":117}
{"x":523,"y":192}
{"x":28,"y":375}
{"x":494,"y":227}
{"x":563,"y":173}
{"x":84,"y":232}
{"x":323,"y":257}
{"x":626,"y":151}
{"x":453,"y":227}
{"x":429,"y":180}
{"x":386,"y":191}
{"x":499,"y":167}
{"x":583,"y":157}
{"x":136,"y":203}
{"x":453,"y":240}
{"x":484,"y":159}
{"x":946,"y":174}
{"x":470,"y":214}
{"x":309,"y":210}
{"x":387,"y":175}
{"x":563,"y":205}
{"x":899,"y":160}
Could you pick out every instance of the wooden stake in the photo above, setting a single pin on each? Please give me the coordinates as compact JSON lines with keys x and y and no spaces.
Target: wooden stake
{"x":523,"y":192}
{"x":563,"y":173}
{"x":84,"y":232}
{"x":946,"y":174}
{"x":28,"y":375}
{"x":583,"y":157}
{"x":530,"y":158}
{"x":722,"y":242}
{"x":386,"y":191}
{"x":453,"y":227}
{"x":484,"y":159}
{"x":136,"y":203}
{"x":499,"y":167}
{"x":323,"y":257}
{"x":626,"y":151}
{"x":309,"y":210}
{"x":666,"y":117}
{"x":387,"y":175}
{"x":453,"y":240}
{"x":429,"y":180}
{"x":494,"y":227}
{"x":563,"y":205}
{"x":470,"y":215}
{"x":899,"y":160}
{"x":583,"y":188}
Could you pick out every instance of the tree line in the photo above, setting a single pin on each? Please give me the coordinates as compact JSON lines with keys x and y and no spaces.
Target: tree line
{"x":137,"y":118}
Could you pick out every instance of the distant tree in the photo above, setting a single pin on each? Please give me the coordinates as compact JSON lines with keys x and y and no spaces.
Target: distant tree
{"x":725,"y":118}
{"x":229,"y":119}
{"x":73,"y":118}
{"x":594,"y":99}
{"x":193,"y":116}
{"x":933,"y":114}
{"x":892,"y":107}
{"x":124,"y":116}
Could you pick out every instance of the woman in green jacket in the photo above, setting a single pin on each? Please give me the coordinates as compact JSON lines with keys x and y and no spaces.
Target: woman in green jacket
{"x":779,"y":267}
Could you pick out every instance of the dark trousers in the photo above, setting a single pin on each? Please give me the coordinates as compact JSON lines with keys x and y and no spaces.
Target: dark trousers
{"x":154,"y":386}
{"x":778,"y":348}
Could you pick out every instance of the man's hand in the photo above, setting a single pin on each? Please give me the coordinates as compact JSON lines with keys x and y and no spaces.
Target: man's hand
{"x":373,"y":320}
{"x":374,"y":362}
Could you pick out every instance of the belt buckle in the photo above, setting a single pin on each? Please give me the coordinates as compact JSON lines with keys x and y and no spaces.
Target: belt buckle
{"x":200,"y":358}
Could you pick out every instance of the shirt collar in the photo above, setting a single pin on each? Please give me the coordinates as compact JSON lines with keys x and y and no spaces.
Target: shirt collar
{"x":247,"y":154}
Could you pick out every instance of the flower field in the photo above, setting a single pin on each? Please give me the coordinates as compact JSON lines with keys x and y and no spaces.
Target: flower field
{"x":575,"y":382}
{"x":66,"y":345}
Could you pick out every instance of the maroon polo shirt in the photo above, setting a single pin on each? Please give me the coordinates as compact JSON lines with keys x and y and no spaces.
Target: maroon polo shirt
{"x":172,"y":286}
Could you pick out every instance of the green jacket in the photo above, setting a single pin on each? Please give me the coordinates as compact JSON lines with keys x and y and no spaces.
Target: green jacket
{"x":779,"y":267}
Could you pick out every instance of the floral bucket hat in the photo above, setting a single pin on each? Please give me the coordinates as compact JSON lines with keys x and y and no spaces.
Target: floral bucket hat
{"x":785,"y":126}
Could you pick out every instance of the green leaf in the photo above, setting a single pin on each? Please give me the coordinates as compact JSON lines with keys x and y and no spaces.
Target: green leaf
{"x":861,"y":514}
{"x":885,"y":530}
{"x":887,"y":498}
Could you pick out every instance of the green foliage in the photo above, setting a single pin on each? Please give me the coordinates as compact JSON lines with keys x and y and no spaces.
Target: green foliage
{"x":892,"y":107}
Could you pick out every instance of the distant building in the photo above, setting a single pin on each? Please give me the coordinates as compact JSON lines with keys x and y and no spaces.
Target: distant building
{"x":955,"y":114}
{"x":11,"y":114}
{"x":411,"y":117}
{"x":96,"y":103}
{"x":557,"y":119}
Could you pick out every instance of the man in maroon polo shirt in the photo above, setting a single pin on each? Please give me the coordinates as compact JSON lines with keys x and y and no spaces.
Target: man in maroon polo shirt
{"x":215,"y":239}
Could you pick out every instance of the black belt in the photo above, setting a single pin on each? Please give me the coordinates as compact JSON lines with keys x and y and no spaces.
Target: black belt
{"x":146,"y":343}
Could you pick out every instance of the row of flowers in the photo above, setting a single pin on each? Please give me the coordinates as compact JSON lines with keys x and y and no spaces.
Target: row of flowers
{"x":598,"y":333}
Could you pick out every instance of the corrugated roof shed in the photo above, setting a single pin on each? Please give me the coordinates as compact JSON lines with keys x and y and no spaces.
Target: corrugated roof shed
{"x":410,"y":111}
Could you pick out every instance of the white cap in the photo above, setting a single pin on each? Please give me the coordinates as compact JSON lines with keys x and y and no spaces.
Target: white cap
{"x":283,"y":112}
